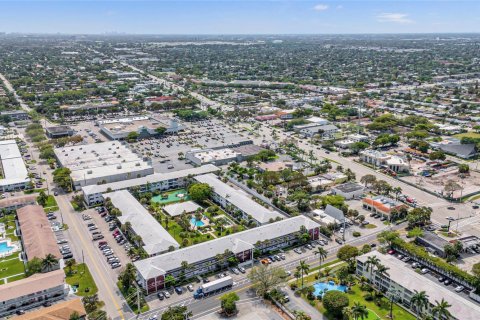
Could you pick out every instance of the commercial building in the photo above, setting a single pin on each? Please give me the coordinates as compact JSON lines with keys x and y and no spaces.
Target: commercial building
{"x":101,"y":163}
{"x":201,"y":258}
{"x":154,"y":238}
{"x":348,"y":190}
{"x":13,"y":203}
{"x":382,"y":205}
{"x":145,"y":127}
{"x":13,"y":173}
{"x":32,"y":292}
{"x":59,"y":132}
{"x":381,"y":159}
{"x":217,"y":157}
{"x":233,"y":200}
{"x":93,"y":194}
{"x":15,"y":115}
{"x":59,"y":311}
{"x":402,"y":281}
{"x":36,"y":233}
{"x":325,"y":131}
{"x":432,"y":243}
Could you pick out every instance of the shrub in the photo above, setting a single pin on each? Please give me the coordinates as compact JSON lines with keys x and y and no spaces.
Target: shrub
{"x":356,"y":234}
{"x":293,"y":286}
{"x":334,"y":302}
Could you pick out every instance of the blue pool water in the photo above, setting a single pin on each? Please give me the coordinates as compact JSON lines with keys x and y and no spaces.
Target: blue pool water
{"x":321,"y":286}
{"x":197,"y":223}
{"x":4,"y":247}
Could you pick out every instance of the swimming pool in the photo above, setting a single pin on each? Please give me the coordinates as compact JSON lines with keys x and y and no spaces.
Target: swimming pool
{"x":322,"y":287}
{"x":197,"y":223}
{"x":5,"y":248}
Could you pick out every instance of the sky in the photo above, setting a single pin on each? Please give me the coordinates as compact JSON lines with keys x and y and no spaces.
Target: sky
{"x":239,"y":17}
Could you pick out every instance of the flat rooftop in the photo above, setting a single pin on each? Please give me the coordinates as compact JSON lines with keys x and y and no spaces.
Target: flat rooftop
{"x":211,"y":155}
{"x":153,"y":178}
{"x":12,"y":165}
{"x":179,"y":208}
{"x":239,"y":199}
{"x":349,"y":187}
{"x":132,"y":124}
{"x":155,"y":238}
{"x":400,"y":273}
{"x":238,"y":242}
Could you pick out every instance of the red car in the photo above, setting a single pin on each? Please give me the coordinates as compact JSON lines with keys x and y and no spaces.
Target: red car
{"x":391,"y":251}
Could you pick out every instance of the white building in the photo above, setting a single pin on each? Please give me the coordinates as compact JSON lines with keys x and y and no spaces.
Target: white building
{"x":325,"y":131}
{"x":101,"y":163}
{"x":217,"y":157}
{"x":155,"y":239}
{"x":236,"y":200}
{"x":348,"y":190}
{"x":379,"y":159}
{"x":93,"y":194}
{"x":13,"y":173}
{"x":404,"y":281}
{"x":201,"y":258}
{"x":118,"y":129}
{"x":32,"y":292}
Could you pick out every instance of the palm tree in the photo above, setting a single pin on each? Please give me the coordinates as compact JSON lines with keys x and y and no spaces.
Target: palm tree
{"x":419,"y":300}
{"x":69,"y":264}
{"x":381,"y":270}
{"x":359,"y":311}
{"x":300,"y":315}
{"x":322,"y":255}
{"x":441,"y":310}
{"x":304,"y":268}
{"x":371,"y":263}
{"x":49,"y":262}
{"x":347,"y":313}
{"x":397,"y":191}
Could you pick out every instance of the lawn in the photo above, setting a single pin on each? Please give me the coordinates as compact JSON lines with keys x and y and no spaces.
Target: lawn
{"x":175,"y":230}
{"x":468,"y":135}
{"x":10,"y":266}
{"x":82,"y":279}
{"x":382,"y":310}
{"x":51,"y":204}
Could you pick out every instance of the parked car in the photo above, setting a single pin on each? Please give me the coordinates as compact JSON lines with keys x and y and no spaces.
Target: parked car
{"x":166,"y":294}
{"x":179,"y":290}
{"x":424,"y":271}
{"x":297,"y":250}
{"x":160,"y":296}
{"x":241,"y":269}
{"x":459,"y":288}
{"x":190,"y":288}
{"x":447,"y":282}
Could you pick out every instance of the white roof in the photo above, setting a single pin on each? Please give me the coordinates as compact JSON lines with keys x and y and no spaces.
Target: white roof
{"x":178,"y":208}
{"x":13,"y":167}
{"x":238,"y":242}
{"x":154,"y":236}
{"x":153,"y":178}
{"x":239,"y":199}
{"x":402,"y":274}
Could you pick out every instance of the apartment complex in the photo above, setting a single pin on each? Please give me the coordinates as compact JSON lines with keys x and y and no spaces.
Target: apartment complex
{"x":402,"y":281}
{"x":202,"y":258}
{"x":232,"y":200}
{"x":32,"y":292}
{"x":93,"y":194}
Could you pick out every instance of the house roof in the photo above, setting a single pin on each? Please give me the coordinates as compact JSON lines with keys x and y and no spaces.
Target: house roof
{"x":35,"y":283}
{"x":37,"y":236}
{"x":465,"y":150}
{"x":59,"y":311}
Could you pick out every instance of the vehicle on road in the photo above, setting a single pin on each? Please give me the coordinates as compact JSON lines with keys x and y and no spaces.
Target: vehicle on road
{"x":212,"y":287}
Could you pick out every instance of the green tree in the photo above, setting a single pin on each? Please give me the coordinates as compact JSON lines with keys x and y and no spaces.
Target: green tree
{"x":160,"y":130}
{"x":359,"y":311}
{"x":49,"y":262}
{"x":463,"y":168}
{"x":334,"y":301}
{"x":228,"y":303}
{"x":265,"y":278}
{"x":34,"y":266}
{"x":368,"y":179}
{"x":419,"y":301}
{"x":348,"y":254}
{"x":303,"y":268}
{"x":61,"y":177}
{"x":42,"y":198}
{"x":127,"y":277}
{"x":440,"y":310}
{"x":322,"y":255}
{"x":177,"y":313}
{"x":132,"y":136}
{"x":74,"y":316}
{"x":70,"y":263}
{"x":199,"y":191}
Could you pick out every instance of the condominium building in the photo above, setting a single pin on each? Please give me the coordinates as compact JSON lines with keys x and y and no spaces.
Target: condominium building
{"x":202,"y":258}
{"x":93,"y":194}
{"x":233,"y":200}
{"x":402,"y":282}
{"x":32,"y":292}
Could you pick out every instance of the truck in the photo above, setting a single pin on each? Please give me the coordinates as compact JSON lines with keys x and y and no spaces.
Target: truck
{"x":212,"y":287}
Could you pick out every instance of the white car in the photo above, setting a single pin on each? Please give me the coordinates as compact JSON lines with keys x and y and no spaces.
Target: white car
{"x":166,"y":294}
{"x":425,"y":270}
{"x":459,"y":288}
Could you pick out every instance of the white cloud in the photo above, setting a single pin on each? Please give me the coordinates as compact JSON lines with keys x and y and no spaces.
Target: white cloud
{"x":320,"y":7}
{"x":401,"y":18}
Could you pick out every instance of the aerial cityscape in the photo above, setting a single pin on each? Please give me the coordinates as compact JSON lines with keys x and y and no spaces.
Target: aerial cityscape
{"x":270,"y":160}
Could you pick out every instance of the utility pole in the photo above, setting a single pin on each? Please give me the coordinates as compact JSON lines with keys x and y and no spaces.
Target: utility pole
{"x":138,"y":298}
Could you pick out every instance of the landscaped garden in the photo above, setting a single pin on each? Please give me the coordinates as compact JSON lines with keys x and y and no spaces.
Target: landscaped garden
{"x":79,"y":277}
{"x":11,"y":267}
{"x":171,"y":197}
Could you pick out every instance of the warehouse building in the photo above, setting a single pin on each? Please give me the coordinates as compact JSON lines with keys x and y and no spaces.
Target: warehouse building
{"x":231,"y":199}
{"x":145,"y":127}
{"x":101,"y":163}
{"x":13,"y":173}
{"x":201,"y":258}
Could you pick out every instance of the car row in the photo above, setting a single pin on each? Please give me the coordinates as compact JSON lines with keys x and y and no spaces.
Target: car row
{"x":107,"y":251}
